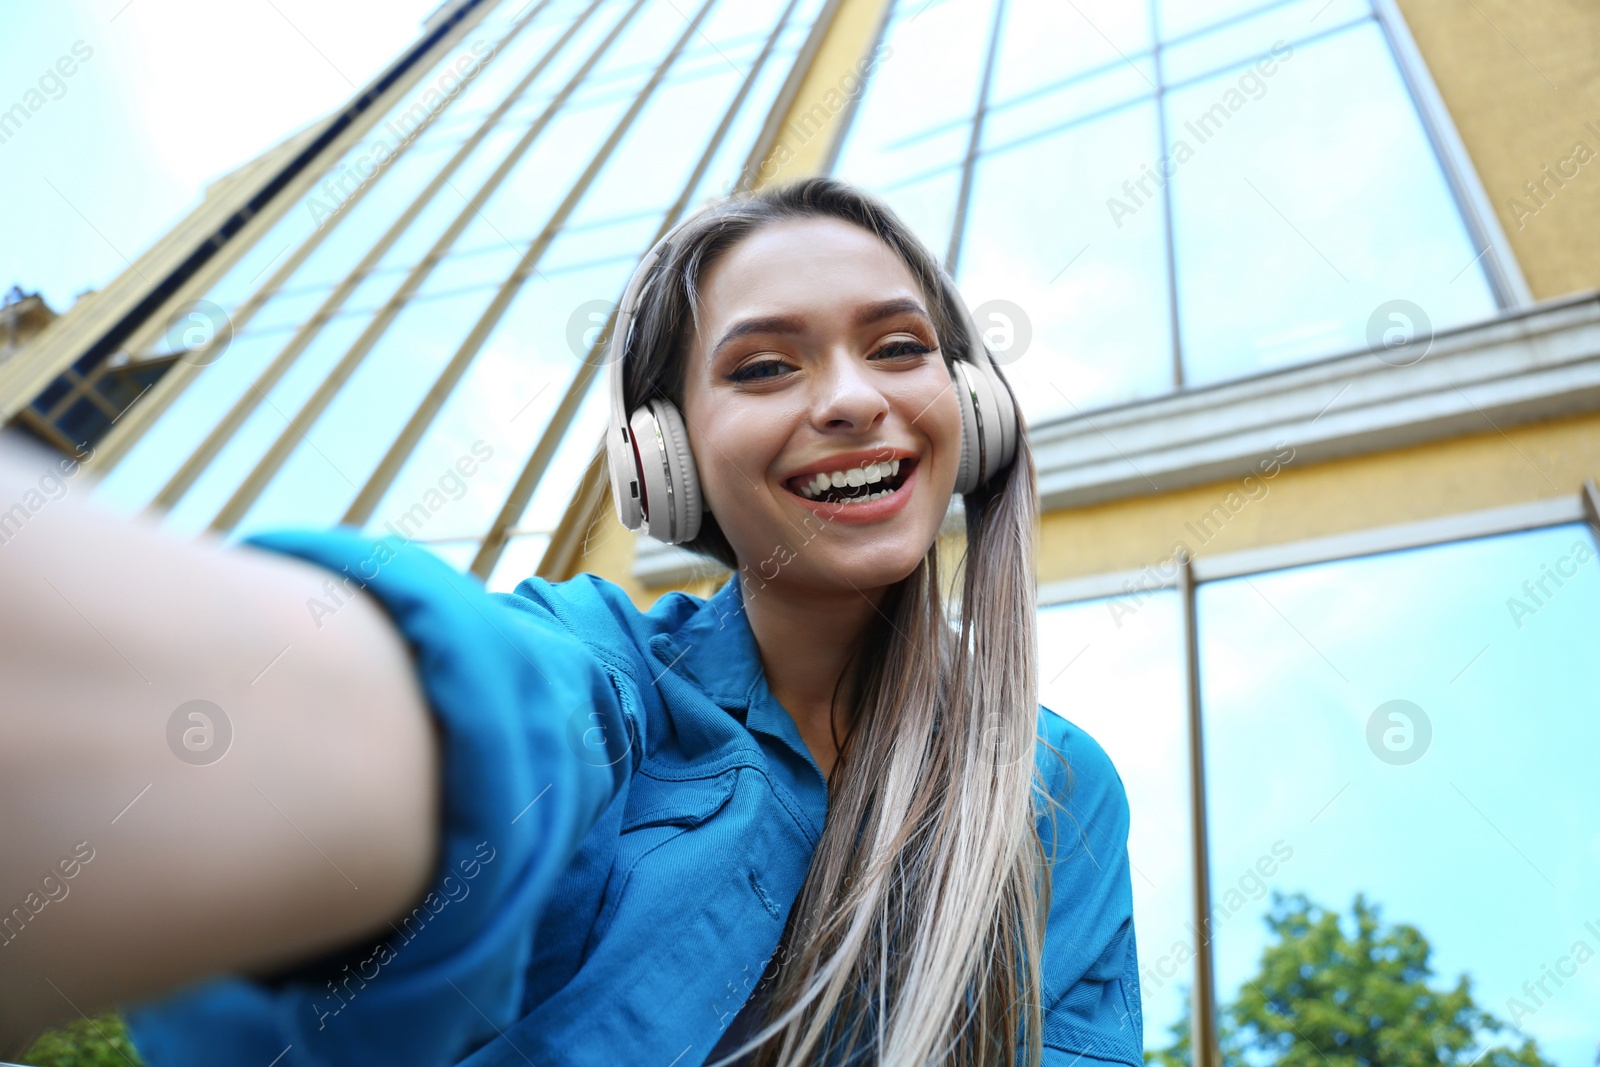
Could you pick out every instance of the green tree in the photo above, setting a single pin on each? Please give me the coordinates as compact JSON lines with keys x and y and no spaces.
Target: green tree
{"x":101,"y":1042}
{"x":1322,"y":998}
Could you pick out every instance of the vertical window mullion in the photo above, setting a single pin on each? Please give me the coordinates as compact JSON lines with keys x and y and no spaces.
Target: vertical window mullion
{"x":1167,"y":223}
{"x":1203,"y":997}
{"x":958,"y":226}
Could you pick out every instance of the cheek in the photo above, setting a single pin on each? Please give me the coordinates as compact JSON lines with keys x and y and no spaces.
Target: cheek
{"x":733,"y":449}
{"x":943,"y":425}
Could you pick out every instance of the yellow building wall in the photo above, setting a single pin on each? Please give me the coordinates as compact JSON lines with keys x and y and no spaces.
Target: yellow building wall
{"x":1522,"y":82}
{"x":1469,"y":473}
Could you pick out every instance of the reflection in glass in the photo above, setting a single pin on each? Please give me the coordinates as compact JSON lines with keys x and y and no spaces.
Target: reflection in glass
{"x":249,"y":443}
{"x":1182,"y":17}
{"x":1419,"y":726}
{"x":1090,"y":288}
{"x":133,"y":483}
{"x":334,"y":455}
{"x":1114,"y":668}
{"x":506,"y":398}
{"x":1308,"y":206}
{"x":1045,"y":42}
{"x":520,"y":560}
{"x":1250,"y":38}
{"x":910,"y":121}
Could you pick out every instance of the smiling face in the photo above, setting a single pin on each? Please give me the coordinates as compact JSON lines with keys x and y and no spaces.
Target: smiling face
{"x":816,"y":354}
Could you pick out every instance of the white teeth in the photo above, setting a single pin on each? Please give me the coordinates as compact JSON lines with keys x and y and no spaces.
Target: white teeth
{"x":855,"y":476}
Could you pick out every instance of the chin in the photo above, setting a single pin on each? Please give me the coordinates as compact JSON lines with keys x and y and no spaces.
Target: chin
{"x":869,"y":568}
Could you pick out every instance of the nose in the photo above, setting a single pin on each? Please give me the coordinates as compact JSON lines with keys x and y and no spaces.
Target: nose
{"x":847,"y":399}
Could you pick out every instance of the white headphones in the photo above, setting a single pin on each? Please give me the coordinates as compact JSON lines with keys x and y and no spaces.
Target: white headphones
{"x":653,"y":478}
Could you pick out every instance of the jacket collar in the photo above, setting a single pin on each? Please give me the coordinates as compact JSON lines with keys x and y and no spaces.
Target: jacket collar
{"x":716,"y":650}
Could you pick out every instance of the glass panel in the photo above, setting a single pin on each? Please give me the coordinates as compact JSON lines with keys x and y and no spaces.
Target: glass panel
{"x":287,"y":310}
{"x":1250,"y":39}
{"x":1306,"y":203}
{"x":562,"y":67}
{"x":485,"y":268}
{"x":343,"y":175}
{"x":643,"y":44}
{"x":328,"y":466}
{"x":549,"y":501}
{"x":1088,"y":290}
{"x":1180,"y":17}
{"x":927,"y":203}
{"x":660,"y":149}
{"x":504,"y":401}
{"x":449,"y":202}
{"x":255,"y":266}
{"x":360,"y":226}
{"x":519,"y":560}
{"x":456,"y":553}
{"x":134,"y":482}
{"x":910,"y":123}
{"x":1044,"y":42}
{"x":1051,"y":110}
{"x":211,"y":490}
{"x":527,"y":196}
{"x":723,"y":173}
{"x":372,"y":293}
{"x":1114,"y":668}
{"x":1419,"y":727}
{"x":581,"y":243}
{"x":512,"y":61}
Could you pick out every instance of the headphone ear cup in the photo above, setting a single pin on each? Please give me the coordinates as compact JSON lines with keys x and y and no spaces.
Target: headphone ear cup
{"x":627,"y":481}
{"x":671,"y":483}
{"x":997,"y":418}
{"x":967,"y":475}
{"x":683,"y":475}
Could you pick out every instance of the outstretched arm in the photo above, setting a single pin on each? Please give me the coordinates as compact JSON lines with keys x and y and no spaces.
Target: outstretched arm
{"x":316,"y":826}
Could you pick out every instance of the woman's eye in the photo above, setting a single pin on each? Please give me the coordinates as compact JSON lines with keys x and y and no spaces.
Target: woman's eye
{"x":896,"y":349}
{"x":750,"y":370}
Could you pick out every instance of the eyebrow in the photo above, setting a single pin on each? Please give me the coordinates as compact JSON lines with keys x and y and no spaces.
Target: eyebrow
{"x":790,"y":324}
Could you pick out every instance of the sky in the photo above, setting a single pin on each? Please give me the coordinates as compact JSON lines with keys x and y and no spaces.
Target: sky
{"x":166,"y":96}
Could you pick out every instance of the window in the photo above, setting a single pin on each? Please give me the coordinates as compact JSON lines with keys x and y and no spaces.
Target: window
{"x":1165,"y":194}
{"x":1416,"y":726}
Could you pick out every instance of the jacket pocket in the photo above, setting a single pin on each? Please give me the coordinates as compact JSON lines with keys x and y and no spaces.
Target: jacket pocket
{"x":656,"y":813}
{"x":661,"y":802}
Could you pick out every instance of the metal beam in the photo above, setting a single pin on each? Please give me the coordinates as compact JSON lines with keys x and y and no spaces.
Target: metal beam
{"x":522,"y":490}
{"x":278,"y":453}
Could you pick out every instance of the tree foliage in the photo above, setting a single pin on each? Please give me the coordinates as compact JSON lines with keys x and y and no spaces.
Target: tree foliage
{"x":101,"y":1042}
{"x":1325,"y":998}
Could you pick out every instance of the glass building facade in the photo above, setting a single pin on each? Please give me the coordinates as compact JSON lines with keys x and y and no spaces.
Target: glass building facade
{"x":1172,"y":219}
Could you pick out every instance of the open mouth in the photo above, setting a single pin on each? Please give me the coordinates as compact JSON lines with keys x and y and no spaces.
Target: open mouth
{"x":874,"y":481}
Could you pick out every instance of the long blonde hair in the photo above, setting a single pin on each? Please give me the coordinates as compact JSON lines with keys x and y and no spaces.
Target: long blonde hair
{"x":917,"y":935}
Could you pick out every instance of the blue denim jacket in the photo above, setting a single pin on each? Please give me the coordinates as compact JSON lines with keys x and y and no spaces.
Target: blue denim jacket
{"x":628,"y":816}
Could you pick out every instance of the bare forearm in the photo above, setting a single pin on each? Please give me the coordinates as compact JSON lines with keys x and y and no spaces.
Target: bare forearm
{"x":230,"y":785}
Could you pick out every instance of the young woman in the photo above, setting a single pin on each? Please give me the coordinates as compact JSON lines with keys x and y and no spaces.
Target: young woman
{"x":809,"y":819}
